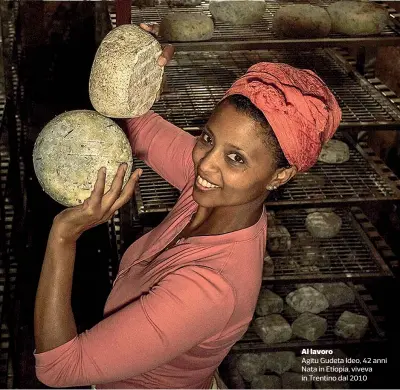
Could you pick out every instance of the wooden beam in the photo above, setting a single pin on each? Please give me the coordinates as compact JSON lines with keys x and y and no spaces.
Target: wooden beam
{"x":123,"y":11}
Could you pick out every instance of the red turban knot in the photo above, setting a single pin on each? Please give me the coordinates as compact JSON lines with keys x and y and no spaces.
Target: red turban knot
{"x":300,"y":108}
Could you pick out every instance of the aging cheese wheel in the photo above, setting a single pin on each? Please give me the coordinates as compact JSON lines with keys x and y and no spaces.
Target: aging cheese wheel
{"x":351,"y":325}
{"x":309,"y":326}
{"x":301,"y":21}
{"x":307,"y":249}
{"x":278,"y":239}
{"x":337,"y":294}
{"x":268,"y":303}
{"x":307,"y":299}
{"x":273,"y":329}
{"x":357,"y":17}
{"x":125,"y":76}
{"x":266,"y":382}
{"x":280,"y":362}
{"x":323,"y":224}
{"x":237,"y":12}
{"x":251,"y":364}
{"x":268,"y":266}
{"x":186,"y":27}
{"x":71,"y":149}
{"x":183,"y":3}
{"x":334,"y":152}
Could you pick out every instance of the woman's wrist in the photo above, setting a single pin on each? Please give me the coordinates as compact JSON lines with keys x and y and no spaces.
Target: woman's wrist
{"x":63,"y":234}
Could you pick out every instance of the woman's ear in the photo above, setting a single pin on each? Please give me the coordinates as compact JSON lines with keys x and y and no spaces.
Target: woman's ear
{"x":281,"y":177}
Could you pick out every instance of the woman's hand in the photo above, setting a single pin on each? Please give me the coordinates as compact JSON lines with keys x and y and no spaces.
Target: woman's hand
{"x":99,"y":207}
{"x":166,"y":55}
{"x":168,"y":50}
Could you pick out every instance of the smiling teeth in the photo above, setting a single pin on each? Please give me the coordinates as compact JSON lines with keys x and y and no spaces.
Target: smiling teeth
{"x":205,"y":183}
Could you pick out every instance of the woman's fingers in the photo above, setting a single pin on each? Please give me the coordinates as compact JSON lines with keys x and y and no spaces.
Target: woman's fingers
{"x":152,"y":28}
{"x":166,"y":55}
{"x":102,"y":206}
{"x":126,"y":193}
{"x":116,"y":187}
{"x":168,"y":50}
{"x":98,"y":190}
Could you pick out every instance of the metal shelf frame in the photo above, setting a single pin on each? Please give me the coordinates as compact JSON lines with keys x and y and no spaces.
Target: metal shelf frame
{"x":369,"y":74}
{"x":196,"y":81}
{"x":226,"y":36}
{"x":354,"y":253}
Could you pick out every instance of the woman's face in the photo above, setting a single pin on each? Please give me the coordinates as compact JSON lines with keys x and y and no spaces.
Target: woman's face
{"x":232,"y":164}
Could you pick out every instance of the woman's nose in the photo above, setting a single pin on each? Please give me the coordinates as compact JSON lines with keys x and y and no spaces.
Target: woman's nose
{"x":209,"y":162}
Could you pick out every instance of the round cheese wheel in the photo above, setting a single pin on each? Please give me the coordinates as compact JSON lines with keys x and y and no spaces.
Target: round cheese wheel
{"x":186,"y":27}
{"x":307,"y":299}
{"x":272,"y":329}
{"x":265,"y":382}
{"x":278,"y":239}
{"x":334,"y":152}
{"x":268,"y":266}
{"x":183,"y":3}
{"x":71,"y":149}
{"x":357,"y":17}
{"x":237,"y":12}
{"x":309,"y":180}
{"x":323,"y":224}
{"x":250,"y":365}
{"x":301,"y":21}
{"x":125,"y":76}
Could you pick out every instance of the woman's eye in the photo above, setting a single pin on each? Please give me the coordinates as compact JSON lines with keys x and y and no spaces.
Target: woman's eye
{"x":236,"y":158}
{"x":206,"y":138}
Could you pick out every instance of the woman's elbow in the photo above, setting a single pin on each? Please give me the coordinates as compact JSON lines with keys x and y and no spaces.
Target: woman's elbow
{"x":48,"y":380}
{"x":57,"y":380}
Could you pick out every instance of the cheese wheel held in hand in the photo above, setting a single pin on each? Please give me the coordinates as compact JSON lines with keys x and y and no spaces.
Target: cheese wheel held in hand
{"x":125,"y":76}
{"x":71,"y":149}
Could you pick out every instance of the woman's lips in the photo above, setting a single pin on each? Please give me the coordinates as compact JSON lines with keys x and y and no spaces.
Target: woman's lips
{"x":205,"y":185}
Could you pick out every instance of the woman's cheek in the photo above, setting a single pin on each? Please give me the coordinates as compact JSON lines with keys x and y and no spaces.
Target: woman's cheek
{"x":198,"y":152}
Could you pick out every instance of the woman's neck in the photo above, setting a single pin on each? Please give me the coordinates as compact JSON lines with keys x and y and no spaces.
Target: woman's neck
{"x":220,"y":220}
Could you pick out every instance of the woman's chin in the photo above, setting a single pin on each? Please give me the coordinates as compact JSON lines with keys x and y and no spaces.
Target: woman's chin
{"x":204,"y":198}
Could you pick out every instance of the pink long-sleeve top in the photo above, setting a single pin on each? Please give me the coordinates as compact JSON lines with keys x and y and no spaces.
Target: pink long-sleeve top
{"x":173,"y":315}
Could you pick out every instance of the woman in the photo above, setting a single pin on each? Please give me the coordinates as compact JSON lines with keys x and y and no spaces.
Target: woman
{"x":186,"y":291}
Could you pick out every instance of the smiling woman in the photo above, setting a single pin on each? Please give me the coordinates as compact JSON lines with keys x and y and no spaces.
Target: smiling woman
{"x":186,"y":291}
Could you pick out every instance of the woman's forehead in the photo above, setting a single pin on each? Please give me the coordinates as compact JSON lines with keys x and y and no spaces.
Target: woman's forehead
{"x":236,"y":129}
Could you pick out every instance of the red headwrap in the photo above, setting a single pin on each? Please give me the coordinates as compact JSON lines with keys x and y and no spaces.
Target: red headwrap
{"x":301,"y":110}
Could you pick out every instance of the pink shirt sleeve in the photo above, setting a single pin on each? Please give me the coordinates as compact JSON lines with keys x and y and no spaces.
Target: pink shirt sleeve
{"x":184,"y":309}
{"x":167,"y":149}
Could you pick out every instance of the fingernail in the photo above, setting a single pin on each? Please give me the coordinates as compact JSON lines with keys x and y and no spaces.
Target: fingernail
{"x":140,"y":172}
{"x":162,"y":61}
{"x":103,"y":169}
